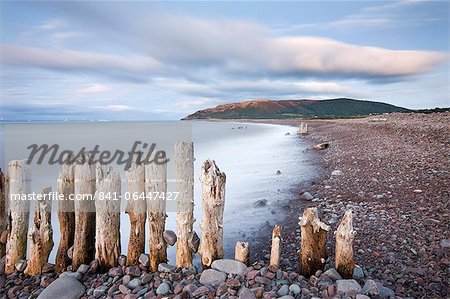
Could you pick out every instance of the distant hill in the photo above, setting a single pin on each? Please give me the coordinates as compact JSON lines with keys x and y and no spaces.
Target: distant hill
{"x":267,"y":109}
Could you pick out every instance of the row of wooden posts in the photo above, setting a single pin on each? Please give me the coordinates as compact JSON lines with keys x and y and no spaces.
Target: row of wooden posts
{"x":97,"y":234}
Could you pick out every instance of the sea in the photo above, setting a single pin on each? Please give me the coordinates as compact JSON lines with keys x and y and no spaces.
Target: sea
{"x":264,"y":164}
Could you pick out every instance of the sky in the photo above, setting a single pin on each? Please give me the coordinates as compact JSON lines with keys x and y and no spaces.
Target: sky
{"x":143,"y":60}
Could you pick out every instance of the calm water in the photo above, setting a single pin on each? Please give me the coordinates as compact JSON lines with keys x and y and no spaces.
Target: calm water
{"x":249,"y":156}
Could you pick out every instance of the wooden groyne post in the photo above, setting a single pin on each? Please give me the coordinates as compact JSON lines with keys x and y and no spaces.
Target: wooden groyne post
{"x":84,"y":191}
{"x":40,"y":234}
{"x":313,"y":236}
{"x":275,"y":253}
{"x":184,"y":175}
{"x":303,"y":129}
{"x":137,"y":211}
{"x":242,"y":252}
{"x":156,"y":188}
{"x":107,"y":205}
{"x":19,"y":185}
{"x":66,"y":217}
{"x":3,"y":214}
{"x":213,"y":204}
{"x":344,"y":246}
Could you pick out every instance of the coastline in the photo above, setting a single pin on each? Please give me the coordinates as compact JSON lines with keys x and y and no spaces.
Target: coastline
{"x":393,"y":177}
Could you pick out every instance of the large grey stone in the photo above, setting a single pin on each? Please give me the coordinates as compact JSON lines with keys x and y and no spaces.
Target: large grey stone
{"x":347,"y":287}
{"x":65,"y":287}
{"x":229,"y":266}
{"x":76,"y":275}
{"x":212,"y":277}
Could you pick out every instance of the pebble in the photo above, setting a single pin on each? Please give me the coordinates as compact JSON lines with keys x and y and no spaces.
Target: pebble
{"x":295,"y":289}
{"x":201,"y":291}
{"x":134,"y":283}
{"x":194,"y":242}
{"x":21,"y":265}
{"x":170,"y":237}
{"x":347,"y":286}
{"x":212,"y":277}
{"x":122,"y":260}
{"x":336,"y":172}
{"x":307,"y":196}
{"x":100,"y":291}
{"x":245,"y":293}
{"x":333,"y":274}
{"x":166,"y":268}
{"x":163,"y":289}
{"x":283,"y":291}
{"x":133,"y":271}
{"x":144,"y":260}
{"x":83,"y":269}
{"x":358,"y":273}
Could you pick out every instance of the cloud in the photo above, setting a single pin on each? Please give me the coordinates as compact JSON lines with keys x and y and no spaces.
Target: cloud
{"x":94,"y":88}
{"x":115,"y":108}
{"x":70,"y":60}
{"x":319,"y":55}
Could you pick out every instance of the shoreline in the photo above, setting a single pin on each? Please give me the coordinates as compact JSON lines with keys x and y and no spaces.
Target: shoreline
{"x":394,"y":179}
{"x":391,"y":174}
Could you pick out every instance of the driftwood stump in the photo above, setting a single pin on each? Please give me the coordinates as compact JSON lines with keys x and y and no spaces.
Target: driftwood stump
{"x":40,"y":234}
{"x":19,"y":185}
{"x":3,"y":214}
{"x":156,"y":189}
{"x":66,"y":216}
{"x":344,"y":246}
{"x":313,"y":237}
{"x":275,"y":253}
{"x":107,"y":206}
{"x":137,"y":211}
{"x":184,"y":174}
{"x":242,"y":252}
{"x":84,"y":241}
{"x":213,"y":203}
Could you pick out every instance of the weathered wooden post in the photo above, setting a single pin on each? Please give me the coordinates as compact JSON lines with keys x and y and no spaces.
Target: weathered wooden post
{"x":344,"y":246}
{"x":137,"y":211}
{"x":66,"y":217}
{"x":40,"y":234}
{"x":242,"y":252}
{"x":313,"y":236}
{"x":303,"y":129}
{"x":3,"y":214}
{"x":84,"y":191}
{"x":184,"y":174}
{"x":213,"y":204}
{"x":156,"y":189}
{"x":19,"y":187}
{"x":275,"y":253}
{"x":107,"y":206}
